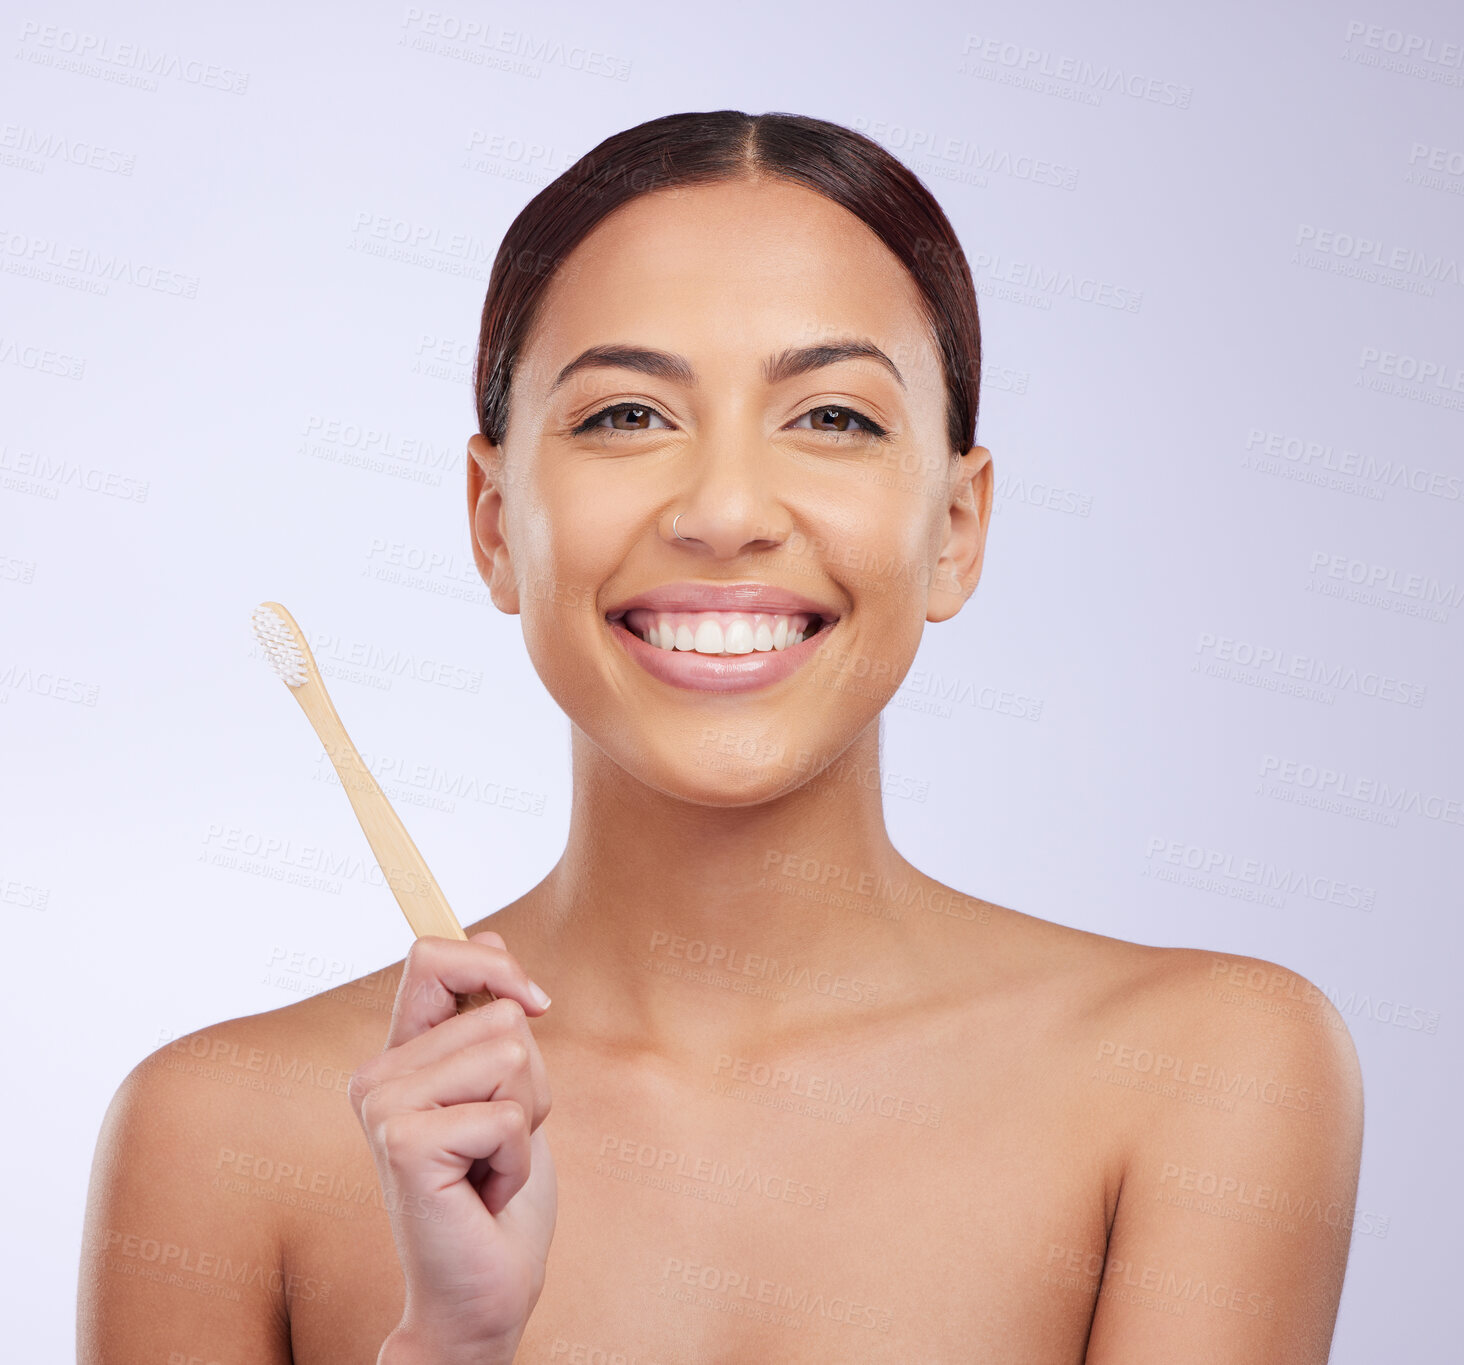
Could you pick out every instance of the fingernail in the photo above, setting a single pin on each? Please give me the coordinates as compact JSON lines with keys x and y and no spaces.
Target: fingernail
{"x":539,"y":997}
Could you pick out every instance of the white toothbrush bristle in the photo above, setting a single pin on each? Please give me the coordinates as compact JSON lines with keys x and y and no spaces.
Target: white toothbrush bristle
{"x":278,"y":642}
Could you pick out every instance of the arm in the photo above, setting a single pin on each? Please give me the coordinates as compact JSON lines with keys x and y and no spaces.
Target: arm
{"x":1234,"y":1217}
{"x":173,"y":1267}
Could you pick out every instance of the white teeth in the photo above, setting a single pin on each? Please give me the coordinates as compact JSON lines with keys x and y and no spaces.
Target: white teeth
{"x":720,"y":632}
{"x":739,"y":638}
{"x":709,"y":638}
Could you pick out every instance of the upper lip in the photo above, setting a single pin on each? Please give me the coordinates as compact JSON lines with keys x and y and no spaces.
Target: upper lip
{"x":753,"y":597}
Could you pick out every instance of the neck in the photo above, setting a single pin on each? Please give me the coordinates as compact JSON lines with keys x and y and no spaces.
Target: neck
{"x":679,"y":927}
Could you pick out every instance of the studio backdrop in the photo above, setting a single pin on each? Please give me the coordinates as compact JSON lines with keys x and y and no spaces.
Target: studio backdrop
{"x":1206,"y":694}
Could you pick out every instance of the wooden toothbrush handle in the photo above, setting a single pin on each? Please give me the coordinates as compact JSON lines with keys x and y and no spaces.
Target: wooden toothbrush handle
{"x":406,"y":871}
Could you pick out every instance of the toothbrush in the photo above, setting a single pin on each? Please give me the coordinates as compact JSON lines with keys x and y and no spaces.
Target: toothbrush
{"x":404,"y":868}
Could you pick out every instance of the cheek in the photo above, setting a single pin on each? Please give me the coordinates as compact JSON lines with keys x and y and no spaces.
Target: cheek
{"x":558,"y":566}
{"x":888,"y":572}
{"x":888,"y":561}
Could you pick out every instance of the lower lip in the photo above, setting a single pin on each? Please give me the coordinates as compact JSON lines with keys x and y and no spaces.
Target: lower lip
{"x":718,"y":672}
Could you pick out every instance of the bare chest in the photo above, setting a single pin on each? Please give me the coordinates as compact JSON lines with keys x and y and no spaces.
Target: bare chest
{"x":907,"y":1206}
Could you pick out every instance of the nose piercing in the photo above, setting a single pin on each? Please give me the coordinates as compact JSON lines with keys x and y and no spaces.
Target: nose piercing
{"x":674,"y":520}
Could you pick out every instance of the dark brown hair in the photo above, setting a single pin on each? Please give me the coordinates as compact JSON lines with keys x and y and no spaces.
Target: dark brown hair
{"x":690,"y":149}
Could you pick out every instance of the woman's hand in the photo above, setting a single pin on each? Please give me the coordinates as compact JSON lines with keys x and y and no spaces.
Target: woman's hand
{"x":451,"y":1110}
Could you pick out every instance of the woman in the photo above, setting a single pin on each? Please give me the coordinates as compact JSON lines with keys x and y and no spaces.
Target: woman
{"x":809,"y":1104}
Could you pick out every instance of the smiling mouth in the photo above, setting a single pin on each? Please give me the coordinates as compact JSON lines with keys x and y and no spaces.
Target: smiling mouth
{"x":724,"y":634}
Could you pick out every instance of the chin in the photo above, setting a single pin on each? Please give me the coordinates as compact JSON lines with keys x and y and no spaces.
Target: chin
{"x":701,"y":775}
{"x":728,"y":795}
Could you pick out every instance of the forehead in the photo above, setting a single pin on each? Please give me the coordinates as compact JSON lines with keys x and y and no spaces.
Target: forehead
{"x":731,"y":271}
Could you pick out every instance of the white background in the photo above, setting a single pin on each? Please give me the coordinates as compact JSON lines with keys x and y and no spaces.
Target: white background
{"x":200,"y":277}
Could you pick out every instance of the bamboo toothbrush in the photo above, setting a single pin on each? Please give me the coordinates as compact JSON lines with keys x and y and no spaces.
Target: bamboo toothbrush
{"x":404,"y":868}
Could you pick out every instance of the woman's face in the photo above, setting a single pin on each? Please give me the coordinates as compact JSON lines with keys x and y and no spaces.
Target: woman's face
{"x":831,"y":481}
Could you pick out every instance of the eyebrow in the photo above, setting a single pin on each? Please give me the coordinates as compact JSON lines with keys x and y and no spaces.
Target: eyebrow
{"x":785,"y":364}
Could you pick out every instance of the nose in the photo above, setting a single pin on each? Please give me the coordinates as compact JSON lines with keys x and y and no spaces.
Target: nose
{"x":729,"y":507}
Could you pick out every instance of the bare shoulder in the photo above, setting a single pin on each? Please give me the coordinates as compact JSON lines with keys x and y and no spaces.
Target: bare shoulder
{"x":1226,"y":1091}
{"x":1233,"y":1089}
{"x":1082,"y":975}
{"x":187,"y":1243}
{"x":299,"y":1052}
{"x":1241,"y":1030}
{"x":1167,"y":1016}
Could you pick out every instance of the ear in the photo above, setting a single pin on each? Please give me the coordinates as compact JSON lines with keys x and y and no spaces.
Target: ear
{"x":959,"y":567}
{"x":485,"y":523}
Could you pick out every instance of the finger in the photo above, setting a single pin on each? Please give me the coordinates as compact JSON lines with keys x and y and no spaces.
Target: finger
{"x":438,"y":970}
{"x":477,"y":998}
{"x":498,"y":1019}
{"x":497,"y":1068}
{"x":429,"y":1151}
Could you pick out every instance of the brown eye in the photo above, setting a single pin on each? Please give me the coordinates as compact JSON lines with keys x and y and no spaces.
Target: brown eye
{"x":623,"y":417}
{"x":839,"y":420}
{"x":636,"y":419}
{"x":832,"y":419}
